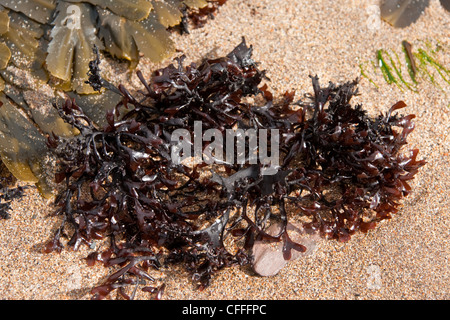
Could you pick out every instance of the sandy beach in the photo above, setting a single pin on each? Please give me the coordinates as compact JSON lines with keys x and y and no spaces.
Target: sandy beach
{"x":406,"y":257}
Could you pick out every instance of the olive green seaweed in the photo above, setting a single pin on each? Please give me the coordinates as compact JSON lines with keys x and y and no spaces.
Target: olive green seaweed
{"x":45,"y":49}
{"x":22,"y":147}
{"x":127,"y":29}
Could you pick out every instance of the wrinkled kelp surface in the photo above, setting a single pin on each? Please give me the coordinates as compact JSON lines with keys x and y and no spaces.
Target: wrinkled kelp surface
{"x":340,"y":172}
{"x":47,"y":44}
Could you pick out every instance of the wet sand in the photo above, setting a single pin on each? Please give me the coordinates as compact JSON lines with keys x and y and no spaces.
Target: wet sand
{"x":406,"y":257}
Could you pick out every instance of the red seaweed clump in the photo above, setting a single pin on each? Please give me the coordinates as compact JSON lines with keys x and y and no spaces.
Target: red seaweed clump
{"x":340,"y":171}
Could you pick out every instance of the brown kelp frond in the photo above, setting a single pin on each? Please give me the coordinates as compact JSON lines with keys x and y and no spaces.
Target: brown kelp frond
{"x":22,"y":38}
{"x":167,"y":13}
{"x":127,"y":39}
{"x":5,"y":53}
{"x":125,"y":29}
{"x":446,"y":4}
{"x":23,"y":148}
{"x":402,"y":13}
{"x":38,"y":10}
{"x":69,"y":50}
{"x":128,"y":9}
{"x":339,"y":170}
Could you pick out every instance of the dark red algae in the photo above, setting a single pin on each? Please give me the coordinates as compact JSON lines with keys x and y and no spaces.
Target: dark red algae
{"x":340,"y":171}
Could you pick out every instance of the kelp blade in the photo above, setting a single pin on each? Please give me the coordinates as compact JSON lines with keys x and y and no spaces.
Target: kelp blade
{"x":22,"y":147}
{"x":402,"y":13}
